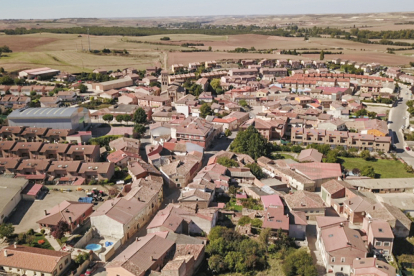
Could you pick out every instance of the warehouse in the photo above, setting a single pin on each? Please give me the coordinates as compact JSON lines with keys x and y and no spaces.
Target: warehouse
{"x":39,"y":73}
{"x":77,"y":118}
{"x":114,"y":84}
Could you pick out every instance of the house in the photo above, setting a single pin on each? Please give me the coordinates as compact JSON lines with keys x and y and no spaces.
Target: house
{"x":54,"y":151}
{"x":25,"y":260}
{"x":97,"y":171}
{"x":275,"y":219}
{"x":271,"y":130}
{"x":271,"y":201}
{"x":11,"y":133}
{"x":122,"y":158}
{"x":356,"y":207}
{"x":87,"y":153}
{"x":9,"y":165}
{"x":203,"y":82}
{"x":181,"y":171}
{"x":27,"y":150}
{"x":310,"y":155}
{"x":340,"y":246}
{"x":372,"y":266}
{"x":195,"y":130}
{"x":72,"y":212}
{"x":58,"y":135}
{"x":33,"y":169}
{"x":297,"y":225}
{"x":140,"y":169}
{"x":145,"y":254}
{"x":49,"y":101}
{"x":318,"y":172}
{"x":309,"y":203}
{"x":5,"y":148}
{"x":380,"y":238}
{"x":110,"y":94}
{"x":399,"y":222}
{"x":334,"y":192}
{"x":34,"y":134}
{"x":201,"y":198}
{"x":65,"y":171}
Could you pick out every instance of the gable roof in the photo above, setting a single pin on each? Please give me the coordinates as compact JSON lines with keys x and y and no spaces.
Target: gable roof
{"x":120,"y":209}
{"x":304,"y":199}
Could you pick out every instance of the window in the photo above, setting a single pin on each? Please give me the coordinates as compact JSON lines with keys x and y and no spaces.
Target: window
{"x":60,"y":266}
{"x":311,"y":211}
{"x":342,"y":269}
{"x":377,"y":243}
{"x":386,"y":243}
{"x":66,"y":261}
{"x":54,"y":272}
{"x":342,"y":259}
{"x":333,"y":259}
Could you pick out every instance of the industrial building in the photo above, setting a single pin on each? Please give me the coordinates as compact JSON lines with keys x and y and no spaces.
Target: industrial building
{"x":113,"y":84}
{"x":39,"y":72}
{"x":77,"y":118}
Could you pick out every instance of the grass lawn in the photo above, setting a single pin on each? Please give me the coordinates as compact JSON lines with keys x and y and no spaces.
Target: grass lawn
{"x":37,"y":237}
{"x":231,"y":205}
{"x":383,"y":168}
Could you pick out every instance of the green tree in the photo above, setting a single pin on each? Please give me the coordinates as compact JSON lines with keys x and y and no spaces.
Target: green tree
{"x":368,"y":171}
{"x":244,"y":220}
{"x":119,"y":118}
{"x":108,"y":117}
{"x":299,"y":263}
{"x":251,"y":142}
{"x":127,"y":118}
{"x":215,"y":263}
{"x":6,"y":80}
{"x":365,"y":154}
{"x":140,"y":117}
{"x":372,"y":114}
{"x":257,"y":223}
{"x":256,"y":170}
{"x":83,"y":88}
{"x":243,"y":103}
{"x":322,"y":55}
{"x":139,"y":130}
{"x":205,"y":110}
{"x":227,"y":132}
{"x":332,"y":157}
{"x":227,"y":162}
{"x":2,"y":70}
{"x":215,"y":85}
{"x":362,"y":112}
{"x":6,"y":230}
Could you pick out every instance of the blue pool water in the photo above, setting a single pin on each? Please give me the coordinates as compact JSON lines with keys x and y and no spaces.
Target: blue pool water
{"x":93,"y":247}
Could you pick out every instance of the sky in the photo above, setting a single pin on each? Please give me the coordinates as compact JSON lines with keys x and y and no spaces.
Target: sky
{"x":49,"y":9}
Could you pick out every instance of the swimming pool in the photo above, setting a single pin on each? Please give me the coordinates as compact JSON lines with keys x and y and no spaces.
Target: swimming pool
{"x":94,"y":247}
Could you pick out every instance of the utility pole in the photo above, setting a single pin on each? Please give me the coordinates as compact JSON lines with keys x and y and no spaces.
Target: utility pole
{"x":89,"y":41}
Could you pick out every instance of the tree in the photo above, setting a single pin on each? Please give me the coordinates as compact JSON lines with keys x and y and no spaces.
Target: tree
{"x":83,"y":88}
{"x":356,"y":171}
{"x":299,"y":263}
{"x":332,"y":157}
{"x":205,"y":110}
{"x":139,"y":130}
{"x":372,"y":114}
{"x":215,"y":84}
{"x":251,"y":142}
{"x":119,"y":118}
{"x":60,"y":229}
{"x":2,"y":70}
{"x":227,"y":162}
{"x":256,"y":170}
{"x":362,"y":112}
{"x":244,"y":220}
{"x":243,"y":103}
{"x":210,"y":49}
{"x":6,"y":230}
{"x":6,"y":80}
{"x":140,"y":117}
{"x":368,"y":171}
{"x":322,"y":55}
{"x":227,"y":132}
{"x":127,"y":118}
{"x":108,"y":117}
{"x":365,"y":154}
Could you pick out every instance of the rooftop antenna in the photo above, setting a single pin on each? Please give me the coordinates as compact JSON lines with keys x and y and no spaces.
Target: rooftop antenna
{"x":89,"y":41}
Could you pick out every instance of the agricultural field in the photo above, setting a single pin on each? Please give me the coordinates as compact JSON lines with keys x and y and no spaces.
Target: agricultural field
{"x":68,"y":52}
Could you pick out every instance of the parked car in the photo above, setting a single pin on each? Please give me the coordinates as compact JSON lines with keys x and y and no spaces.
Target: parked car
{"x":408,"y":148}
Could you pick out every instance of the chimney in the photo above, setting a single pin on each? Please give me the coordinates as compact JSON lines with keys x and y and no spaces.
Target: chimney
{"x":15,"y":244}
{"x":70,"y":219}
{"x":5,"y":253}
{"x":46,"y":213}
{"x":373,"y":207}
{"x":137,"y":239}
{"x":341,"y":224}
{"x":151,"y":258}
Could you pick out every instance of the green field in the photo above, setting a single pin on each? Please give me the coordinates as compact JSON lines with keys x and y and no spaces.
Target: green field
{"x":383,"y":168}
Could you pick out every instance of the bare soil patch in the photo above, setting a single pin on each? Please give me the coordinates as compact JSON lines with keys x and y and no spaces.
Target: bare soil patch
{"x":24,"y":43}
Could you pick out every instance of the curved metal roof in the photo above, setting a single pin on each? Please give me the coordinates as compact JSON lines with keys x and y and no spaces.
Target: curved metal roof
{"x":45,"y":112}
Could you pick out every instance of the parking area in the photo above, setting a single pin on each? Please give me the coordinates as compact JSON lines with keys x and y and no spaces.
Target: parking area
{"x":28,"y":212}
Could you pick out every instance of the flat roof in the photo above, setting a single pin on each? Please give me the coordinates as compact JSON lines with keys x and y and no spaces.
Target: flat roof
{"x":385,"y":183}
{"x":404,"y":201}
{"x":9,"y":187}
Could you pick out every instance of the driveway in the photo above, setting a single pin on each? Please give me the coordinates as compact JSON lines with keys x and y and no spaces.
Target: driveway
{"x":28,"y":212}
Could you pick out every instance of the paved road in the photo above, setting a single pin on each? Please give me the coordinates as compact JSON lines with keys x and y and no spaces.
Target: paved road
{"x":397,"y":116}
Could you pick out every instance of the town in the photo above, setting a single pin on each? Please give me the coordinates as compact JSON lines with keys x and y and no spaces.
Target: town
{"x":293,"y":166}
